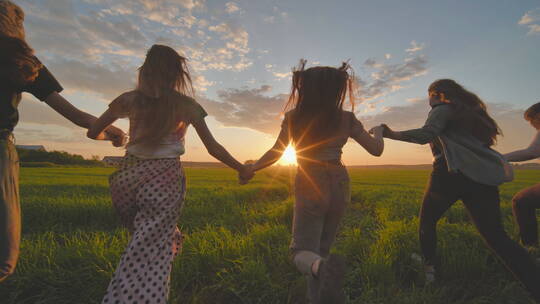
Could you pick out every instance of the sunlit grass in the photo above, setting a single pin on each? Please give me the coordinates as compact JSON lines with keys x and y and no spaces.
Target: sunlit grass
{"x":237,"y":238}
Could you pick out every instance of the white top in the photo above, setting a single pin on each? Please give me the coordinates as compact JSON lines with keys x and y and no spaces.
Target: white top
{"x":172,"y":145}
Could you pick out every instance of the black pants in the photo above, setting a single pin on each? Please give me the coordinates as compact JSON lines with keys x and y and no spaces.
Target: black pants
{"x":482,"y":203}
{"x":524,"y":205}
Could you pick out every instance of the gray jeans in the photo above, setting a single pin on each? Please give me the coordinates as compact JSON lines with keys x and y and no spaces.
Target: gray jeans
{"x":10,"y":211}
{"x":322,"y":193}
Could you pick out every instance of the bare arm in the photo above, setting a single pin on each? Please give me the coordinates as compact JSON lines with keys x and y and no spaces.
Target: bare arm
{"x":69,"y":111}
{"x":373,"y":144}
{"x":97,"y":129}
{"x":80,"y":118}
{"x":214,"y":148}
{"x":531,"y":152}
{"x":274,"y":154}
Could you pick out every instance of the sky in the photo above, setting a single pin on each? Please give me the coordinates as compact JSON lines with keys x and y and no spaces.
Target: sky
{"x":241,"y":54}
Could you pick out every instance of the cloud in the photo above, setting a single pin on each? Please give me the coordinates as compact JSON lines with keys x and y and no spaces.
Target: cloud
{"x":531,"y":19}
{"x":279,"y":15}
{"x":237,"y":38}
{"x":257,"y":110}
{"x":201,"y":84}
{"x":414,"y":113}
{"x":231,"y":7}
{"x":386,"y":78}
{"x":415,"y":47}
{"x":247,"y":108}
{"x":32,"y":111}
{"x":98,"y":48}
{"x":401,"y":117}
{"x":107,"y":81}
{"x":282,"y":75}
{"x":164,"y":12}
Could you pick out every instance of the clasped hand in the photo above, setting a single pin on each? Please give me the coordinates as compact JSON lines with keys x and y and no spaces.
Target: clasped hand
{"x":381,"y":130}
{"x":245,"y":174}
{"x":116,"y":136}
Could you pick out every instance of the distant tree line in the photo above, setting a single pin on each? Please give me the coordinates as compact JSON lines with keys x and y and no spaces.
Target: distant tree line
{"x":31,"y":158}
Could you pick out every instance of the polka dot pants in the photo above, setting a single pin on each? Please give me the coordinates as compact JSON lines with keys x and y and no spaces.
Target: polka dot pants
{"x":147,"y":195}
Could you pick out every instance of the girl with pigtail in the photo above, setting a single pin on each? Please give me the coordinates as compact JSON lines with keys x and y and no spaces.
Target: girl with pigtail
{"x":318,"y":127}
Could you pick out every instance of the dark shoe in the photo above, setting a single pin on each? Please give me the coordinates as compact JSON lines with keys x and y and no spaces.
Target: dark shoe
{"x":331,"y":277}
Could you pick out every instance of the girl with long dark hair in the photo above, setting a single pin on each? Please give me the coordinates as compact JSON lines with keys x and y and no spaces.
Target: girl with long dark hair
{"x":318,"y":127}
{"x":149,"y":188}
{"x":461,"y":133}
{"x":21,"y":71}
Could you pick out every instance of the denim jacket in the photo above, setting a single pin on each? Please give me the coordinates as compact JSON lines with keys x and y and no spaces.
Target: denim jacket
{"x":462,"y":151}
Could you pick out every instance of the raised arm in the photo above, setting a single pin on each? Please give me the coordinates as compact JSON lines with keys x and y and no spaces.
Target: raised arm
{"x":214,"y":148}
{"x":531,"y":152}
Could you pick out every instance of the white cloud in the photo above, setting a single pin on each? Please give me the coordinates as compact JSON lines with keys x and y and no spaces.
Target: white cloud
{"x":531,"y":20}
{"x":282,"y":75}
{"x":232,"y":7}
{"x":415,"y":47}
{"x":278,"y":15}
{"x":416,"y":99}
{"x":386,"y":78}
{"x":201,"y":84}
{"x":237,"y":37}
{"x":247,"y":108}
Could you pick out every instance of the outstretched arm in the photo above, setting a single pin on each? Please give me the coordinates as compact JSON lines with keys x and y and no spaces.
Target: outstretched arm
{"x":214,"y":148}
{"x":80,"y":118}
{"x":274,"y":154}
{"x":531,"y":152}
{"x":374,"y":145}
{"x":69,"y":111}
{"x":435,"y":124}
{"x":98,"y":128}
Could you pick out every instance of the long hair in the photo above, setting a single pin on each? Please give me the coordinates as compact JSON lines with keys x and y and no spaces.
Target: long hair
{"x":11,"y":20}
{"x":163,"y":79}
{"x":18,"y":65}
{"x":471,"y":113}
{"x":317,"y":97}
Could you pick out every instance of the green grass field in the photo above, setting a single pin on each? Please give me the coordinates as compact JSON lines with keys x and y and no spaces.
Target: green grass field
{"x":236,"y":247}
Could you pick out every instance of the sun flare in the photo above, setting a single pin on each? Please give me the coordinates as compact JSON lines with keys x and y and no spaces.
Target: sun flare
{"x":288,"y":157}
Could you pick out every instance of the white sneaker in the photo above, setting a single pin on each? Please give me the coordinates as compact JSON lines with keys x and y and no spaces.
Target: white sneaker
{"x":429,"y":270}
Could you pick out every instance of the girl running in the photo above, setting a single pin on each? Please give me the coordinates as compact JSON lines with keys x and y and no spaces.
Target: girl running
{"x":149,"y":188}
{"x":21,"y":71}
{"x":525,"y":203}
{"x":461,"y":132}
{"x":318,"y":127}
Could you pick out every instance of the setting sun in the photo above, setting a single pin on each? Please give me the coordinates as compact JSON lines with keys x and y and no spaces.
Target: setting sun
{"x":288,"y":157}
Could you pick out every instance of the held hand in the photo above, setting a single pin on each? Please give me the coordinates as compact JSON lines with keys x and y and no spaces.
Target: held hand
{"x":246,"y":174}
{"x":384,"y":130}
{"x":377,"y":131}
{"x":116,"y":136}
